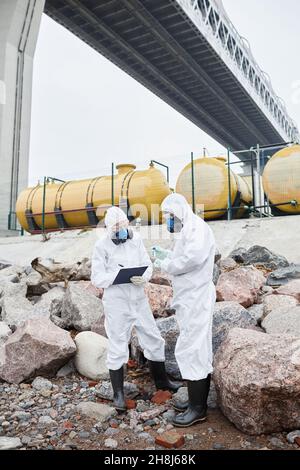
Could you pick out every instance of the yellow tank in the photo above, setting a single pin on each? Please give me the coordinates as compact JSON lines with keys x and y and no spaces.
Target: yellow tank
{"x":281,"y":179}
{"x":67,"y":204}
{"x":211,"y":187}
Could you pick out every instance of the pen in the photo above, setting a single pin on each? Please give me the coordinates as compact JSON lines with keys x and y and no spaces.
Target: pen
{"x":121,"y":265}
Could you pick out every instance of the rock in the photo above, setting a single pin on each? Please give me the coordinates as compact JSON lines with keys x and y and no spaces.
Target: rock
{"x":16,"y":310}
{"x":169,"y":330}
{"x":228,"y":264}
{"x":40,"y":383}
{"x":80,"y":309}
{"x":35,"y":284}
{"x":46,"y":421}
{"x":257,"y":311}
{"x":104,"y":390}
{"x":161,"y":278}
{"x":241,"y":285}
{"x":12,"y":271}
{"x":97,"y":411}
{"x":161,"y":396}
{"x":273,"y":302}
{"x":152,"y":413}
{"x":5,"y":332}
{"x":169,"y":415}
{"x":259,"y":255}
{"x":4,"y":264}
{"x":292,"y":288}
{"x":159,"y":297}
{"x":170,"y":439}
{"x":216,"y":274}
{"x":283,"y":275}
{"x":218,"y":256}
{"x":257,"y":378}
{"x":37,"y":348}
{"x":111,"y":443}
{"x":50,"y":303}
{"x":238,"y":255}
{"x":10,"y":443}
{"x":275,"y":442}
{"x":99,"y":328}
{"x":67,"y":369}
{"x":90,"y":288}
{"x":90,"y":358}
{"x":284,"y":320}
{"x":228,"y":315}
{"x":292,"y":436}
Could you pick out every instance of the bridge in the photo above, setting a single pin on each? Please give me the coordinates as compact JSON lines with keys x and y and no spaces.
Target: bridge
{"x":187,"y":52}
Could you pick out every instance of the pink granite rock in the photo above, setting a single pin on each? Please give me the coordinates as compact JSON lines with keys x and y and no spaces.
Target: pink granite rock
{"x":241,"y":285}
{"x":257,"y":378}
{"x":38,"y":347}
{"x":159,"y":298}
{"x":292,"y":288}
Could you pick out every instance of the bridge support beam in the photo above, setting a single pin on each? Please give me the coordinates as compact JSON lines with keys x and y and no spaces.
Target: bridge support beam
{"x":19,"y":27}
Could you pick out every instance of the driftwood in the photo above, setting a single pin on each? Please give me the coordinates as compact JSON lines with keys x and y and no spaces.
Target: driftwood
{"x":53,"y":271}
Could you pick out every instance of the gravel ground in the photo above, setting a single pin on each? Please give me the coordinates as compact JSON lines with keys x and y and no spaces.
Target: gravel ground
{"x":44,"y":415}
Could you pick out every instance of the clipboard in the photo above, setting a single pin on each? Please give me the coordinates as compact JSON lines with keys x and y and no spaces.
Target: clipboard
{"x":124,"y":275}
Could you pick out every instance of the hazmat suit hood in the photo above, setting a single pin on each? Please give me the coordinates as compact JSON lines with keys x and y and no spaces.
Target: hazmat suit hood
{"x":177,"y":204}
{"x":115,"y":217}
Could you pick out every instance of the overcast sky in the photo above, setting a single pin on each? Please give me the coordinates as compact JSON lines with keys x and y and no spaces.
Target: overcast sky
{"x":87,"y":113}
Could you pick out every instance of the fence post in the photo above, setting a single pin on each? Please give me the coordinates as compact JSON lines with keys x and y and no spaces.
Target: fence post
{"x":112,"y":185}
{"x":229,"y":211}
{"x":193,"y":182}
{"x":44,"y":204}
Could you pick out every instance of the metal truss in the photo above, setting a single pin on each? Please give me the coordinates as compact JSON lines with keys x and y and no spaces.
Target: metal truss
{"x":210,"y":18}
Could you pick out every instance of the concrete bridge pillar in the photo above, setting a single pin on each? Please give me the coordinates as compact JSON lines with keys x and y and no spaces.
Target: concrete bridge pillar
{"x":19,"y":27}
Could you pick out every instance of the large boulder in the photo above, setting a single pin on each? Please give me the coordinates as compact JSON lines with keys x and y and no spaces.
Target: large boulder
{"x":284,"y":320}
{"x":274,"y":302}
{"x":90,"y":359}
{"x":5,"y":332}
{"x":257,"y":378}
{"x":36,"y":348}
{"x":283,"y":275}
{"x":159,"y":297}
{"x":292,"y":288}
{"x":90,"y":288}
{"x":242,"y":285}
{"x":228,"y":315}
{"x":80,"y":309}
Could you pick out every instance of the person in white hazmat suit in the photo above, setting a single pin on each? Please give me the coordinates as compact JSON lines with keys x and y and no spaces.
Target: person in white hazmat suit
{"x":190,"y":265}
{"x":126,"y":305}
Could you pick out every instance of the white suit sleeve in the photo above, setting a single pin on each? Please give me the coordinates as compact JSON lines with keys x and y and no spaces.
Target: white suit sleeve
{"x":100,"y":277}
{"x":145,"y":261}
{"x":193,"y":255}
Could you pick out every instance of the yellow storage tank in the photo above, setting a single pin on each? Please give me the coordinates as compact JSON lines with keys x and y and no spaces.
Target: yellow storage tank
{"x":281,"y":180}
{"x":72,"y":204}
{"x":211,"y":187}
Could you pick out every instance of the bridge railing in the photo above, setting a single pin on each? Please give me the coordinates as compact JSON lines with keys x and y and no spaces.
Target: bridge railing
{"x":208,"y":16}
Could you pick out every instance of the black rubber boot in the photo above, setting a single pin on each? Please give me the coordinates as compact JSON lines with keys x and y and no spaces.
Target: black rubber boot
{"x":161,"y":380}
{"x":117,"y":381}
{"x":196,"y":412}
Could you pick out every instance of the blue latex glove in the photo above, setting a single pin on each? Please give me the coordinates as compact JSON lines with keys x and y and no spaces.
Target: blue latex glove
{"x":160,"y":253}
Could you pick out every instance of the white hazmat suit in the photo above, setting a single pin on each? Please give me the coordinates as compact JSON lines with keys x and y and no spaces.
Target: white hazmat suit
{"x":191,"y":265}
{"x":125,"y":305}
